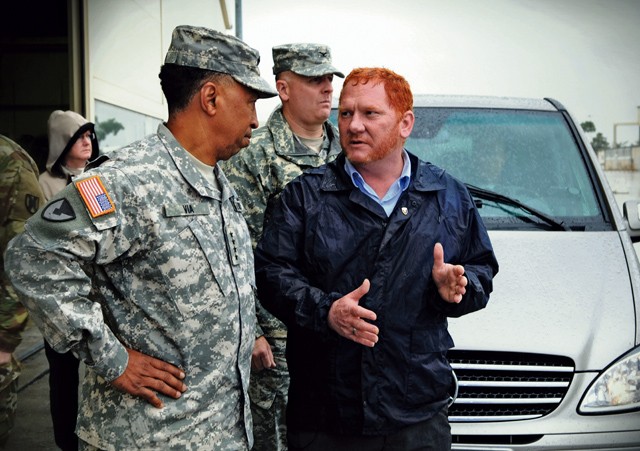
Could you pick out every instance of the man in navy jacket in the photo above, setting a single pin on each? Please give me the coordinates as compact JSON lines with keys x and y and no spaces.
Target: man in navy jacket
{"x":364,"y":259}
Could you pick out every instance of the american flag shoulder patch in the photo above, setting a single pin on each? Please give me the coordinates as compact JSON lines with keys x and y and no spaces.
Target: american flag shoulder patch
{"x":95,"y":196}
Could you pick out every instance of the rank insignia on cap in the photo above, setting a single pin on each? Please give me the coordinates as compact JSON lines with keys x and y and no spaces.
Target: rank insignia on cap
{"x":95,"y":196}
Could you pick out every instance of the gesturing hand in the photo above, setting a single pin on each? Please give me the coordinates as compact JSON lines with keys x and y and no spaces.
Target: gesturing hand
{"x":145,"y":376}
{"x":347,"y":318}
{"x":449,"y":278}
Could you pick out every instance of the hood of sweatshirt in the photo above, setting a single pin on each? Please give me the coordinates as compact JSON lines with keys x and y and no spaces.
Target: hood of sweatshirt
{"x":65,"y":127}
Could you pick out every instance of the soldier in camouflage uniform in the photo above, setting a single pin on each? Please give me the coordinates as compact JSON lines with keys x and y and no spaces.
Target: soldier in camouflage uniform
{"x":20,"y":197}
{"x":297,"y":136}
{"x":143,"y":266}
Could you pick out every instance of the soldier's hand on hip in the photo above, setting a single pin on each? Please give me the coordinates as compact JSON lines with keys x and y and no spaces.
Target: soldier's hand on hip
{"x":147,"y":376}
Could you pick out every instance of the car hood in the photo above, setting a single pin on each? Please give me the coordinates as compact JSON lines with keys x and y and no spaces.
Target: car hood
{"x":561,"y":293}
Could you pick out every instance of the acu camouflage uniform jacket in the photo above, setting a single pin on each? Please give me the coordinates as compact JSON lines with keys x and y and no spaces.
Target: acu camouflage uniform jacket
{"x":143,"y":252}
{"x":260,"y":172}
{"x":20,"y":197}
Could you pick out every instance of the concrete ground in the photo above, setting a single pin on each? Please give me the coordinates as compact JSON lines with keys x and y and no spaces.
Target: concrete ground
{"x":33,"y":430}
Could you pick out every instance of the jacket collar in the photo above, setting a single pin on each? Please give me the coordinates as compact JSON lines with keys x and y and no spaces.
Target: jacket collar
{"x":424,"y":176}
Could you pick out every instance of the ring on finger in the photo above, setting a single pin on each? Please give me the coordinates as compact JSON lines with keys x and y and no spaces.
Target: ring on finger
{"x":354,"y":330}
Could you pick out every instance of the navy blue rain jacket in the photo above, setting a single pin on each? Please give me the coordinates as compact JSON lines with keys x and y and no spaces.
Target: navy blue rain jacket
{"x":323,"y":239}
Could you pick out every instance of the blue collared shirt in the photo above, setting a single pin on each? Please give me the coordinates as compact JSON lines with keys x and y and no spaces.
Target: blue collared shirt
{"x":388,"y":202}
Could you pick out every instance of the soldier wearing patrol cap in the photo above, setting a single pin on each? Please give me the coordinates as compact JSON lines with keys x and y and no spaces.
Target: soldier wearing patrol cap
{"x":142,"y":267}
{"x":20,"y":197}
{"x":296,"y":137}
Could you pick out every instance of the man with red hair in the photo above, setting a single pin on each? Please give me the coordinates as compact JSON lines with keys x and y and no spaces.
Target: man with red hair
{"x":363,"y":259}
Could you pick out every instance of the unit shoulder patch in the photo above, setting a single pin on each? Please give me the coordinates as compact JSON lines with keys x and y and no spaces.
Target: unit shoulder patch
{"x":31,"y":203}
{"x":59,"y":211}
{"x":95,"y":196}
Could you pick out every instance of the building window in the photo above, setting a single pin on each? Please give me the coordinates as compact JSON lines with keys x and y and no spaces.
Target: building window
{"x":116,"y":126}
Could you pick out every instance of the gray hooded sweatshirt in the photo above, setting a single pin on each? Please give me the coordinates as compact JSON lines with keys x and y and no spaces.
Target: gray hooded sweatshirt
{"x":65,"y":127}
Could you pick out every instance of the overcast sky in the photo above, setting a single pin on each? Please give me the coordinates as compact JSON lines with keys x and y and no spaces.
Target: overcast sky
{"x":584,"y":53}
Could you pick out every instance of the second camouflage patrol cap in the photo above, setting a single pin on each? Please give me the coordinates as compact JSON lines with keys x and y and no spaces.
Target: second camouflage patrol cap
{"x":310,"y":60}
{"x":211,"y":50}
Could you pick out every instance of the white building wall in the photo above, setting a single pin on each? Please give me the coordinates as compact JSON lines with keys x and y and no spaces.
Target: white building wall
{"x":126,"y":41}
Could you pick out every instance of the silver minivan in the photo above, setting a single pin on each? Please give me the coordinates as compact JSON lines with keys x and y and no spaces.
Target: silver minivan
{"x":553,"y":362}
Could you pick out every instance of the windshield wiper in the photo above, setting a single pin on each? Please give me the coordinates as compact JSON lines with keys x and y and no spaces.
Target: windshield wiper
{"x":506,"y":200}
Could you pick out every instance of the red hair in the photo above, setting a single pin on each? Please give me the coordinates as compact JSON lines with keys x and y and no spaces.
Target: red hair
{"x":395,"y":86}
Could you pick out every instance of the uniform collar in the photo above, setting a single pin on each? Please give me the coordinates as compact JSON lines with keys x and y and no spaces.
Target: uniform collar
{"x":188,"y":170}
{"x":284,"y":141}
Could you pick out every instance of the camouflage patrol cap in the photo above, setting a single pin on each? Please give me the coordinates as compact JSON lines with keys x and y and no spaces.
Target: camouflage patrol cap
{"x":310,"y":60}
{"x":211,"y":50}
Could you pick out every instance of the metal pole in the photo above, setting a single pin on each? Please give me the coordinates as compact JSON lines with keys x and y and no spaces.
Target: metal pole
{"x":239,"y":19}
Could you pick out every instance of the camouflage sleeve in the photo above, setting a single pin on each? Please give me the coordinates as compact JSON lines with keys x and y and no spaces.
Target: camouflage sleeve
{"x":20,"y":197}
{"x":49,"y":266}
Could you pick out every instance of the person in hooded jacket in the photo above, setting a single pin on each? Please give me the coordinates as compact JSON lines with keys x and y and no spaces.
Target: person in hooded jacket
{"x":72,"y":144}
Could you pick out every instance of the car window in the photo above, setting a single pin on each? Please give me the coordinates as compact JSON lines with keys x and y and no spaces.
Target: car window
{"x":527,"y":155}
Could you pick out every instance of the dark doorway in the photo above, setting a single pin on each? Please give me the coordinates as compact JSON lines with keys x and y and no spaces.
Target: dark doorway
{"x":35,"y":71}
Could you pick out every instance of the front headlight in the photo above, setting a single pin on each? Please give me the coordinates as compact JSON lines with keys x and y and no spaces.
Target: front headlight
{"x":617,"y":389}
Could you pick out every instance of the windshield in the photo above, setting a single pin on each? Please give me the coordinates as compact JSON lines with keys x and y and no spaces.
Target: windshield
{"x":529,"y":156}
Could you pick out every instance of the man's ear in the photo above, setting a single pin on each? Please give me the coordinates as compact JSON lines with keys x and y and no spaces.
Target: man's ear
{"x":283,"y":89}
{"x":208,"y":94}
{"x":406,"y":124}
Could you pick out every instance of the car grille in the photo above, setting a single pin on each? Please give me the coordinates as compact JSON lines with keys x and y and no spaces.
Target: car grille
{"x":500,"y":386}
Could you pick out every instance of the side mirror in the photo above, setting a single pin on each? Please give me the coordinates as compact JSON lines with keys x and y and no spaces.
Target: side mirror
{"x":632,"y":218}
